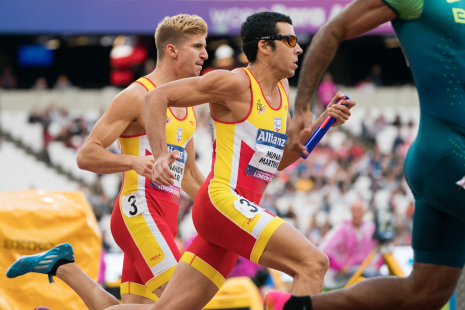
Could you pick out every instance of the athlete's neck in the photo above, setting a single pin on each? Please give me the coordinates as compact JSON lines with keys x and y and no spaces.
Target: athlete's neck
{"x":163,"y":73}
{"x":266,"y":77}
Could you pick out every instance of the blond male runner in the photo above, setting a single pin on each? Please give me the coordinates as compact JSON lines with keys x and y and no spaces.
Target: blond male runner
{"x":144,"y":220}
{"x":250,"y":113}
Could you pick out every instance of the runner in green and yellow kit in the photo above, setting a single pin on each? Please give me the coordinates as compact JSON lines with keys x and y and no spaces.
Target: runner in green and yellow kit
{"x":432,"y":34}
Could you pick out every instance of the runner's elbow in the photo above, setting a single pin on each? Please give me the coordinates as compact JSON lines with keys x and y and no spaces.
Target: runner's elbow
{"x":84,"y":159}
{"x":335,"y":31}
{"x":81,"y":160}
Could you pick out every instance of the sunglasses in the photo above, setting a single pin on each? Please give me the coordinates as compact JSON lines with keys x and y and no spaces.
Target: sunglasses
{"x":291,"y":40}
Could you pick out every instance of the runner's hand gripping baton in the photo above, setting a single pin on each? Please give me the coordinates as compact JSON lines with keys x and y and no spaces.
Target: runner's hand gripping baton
{"x":318,"y":134}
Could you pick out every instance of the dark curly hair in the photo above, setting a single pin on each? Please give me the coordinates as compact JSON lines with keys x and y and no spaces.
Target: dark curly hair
{"x":258,"y":25}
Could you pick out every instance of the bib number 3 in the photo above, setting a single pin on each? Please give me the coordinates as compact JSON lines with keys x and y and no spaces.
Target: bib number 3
{"x":133,"y":204}
{"x":132,"y":201}
{"x":247,"y":208}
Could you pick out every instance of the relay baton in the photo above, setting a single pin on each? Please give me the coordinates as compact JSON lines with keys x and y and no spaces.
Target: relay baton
{"x":318,"y":134}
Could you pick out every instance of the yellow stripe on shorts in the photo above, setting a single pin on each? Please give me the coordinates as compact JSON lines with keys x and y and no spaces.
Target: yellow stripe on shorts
{"x":263,"y":239}
{"x":160,"y":279}
{"x":204,"y":268}
{"x":137,"y":289}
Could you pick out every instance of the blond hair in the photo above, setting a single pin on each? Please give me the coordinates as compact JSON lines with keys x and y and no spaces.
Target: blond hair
{"x":174,"y":29}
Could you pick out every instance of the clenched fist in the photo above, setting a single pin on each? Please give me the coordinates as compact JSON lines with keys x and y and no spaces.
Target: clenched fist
{"x":161,"y":173}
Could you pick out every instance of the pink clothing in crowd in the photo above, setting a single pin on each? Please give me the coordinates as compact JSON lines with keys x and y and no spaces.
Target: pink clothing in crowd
{"x":326,"y":91}
{"x":347,"y":245}
{"x":245,"y":268}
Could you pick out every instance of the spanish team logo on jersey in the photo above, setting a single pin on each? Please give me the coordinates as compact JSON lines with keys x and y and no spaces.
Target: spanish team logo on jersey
{"x":179,"y":135}
{"x":260,"y":107}
{"x":277,"y":124}
{"x":168,"y":120}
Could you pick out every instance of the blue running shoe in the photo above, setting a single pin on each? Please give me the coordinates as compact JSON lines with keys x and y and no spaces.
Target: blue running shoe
{"x":41,"y":262}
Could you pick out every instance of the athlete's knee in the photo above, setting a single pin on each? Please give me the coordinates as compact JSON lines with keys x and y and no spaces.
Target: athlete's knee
{"x":322,"y":263}
{"x":315,"y":264}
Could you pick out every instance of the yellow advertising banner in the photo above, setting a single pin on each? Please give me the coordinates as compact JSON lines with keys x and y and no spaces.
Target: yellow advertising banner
{"x":35,"y":221}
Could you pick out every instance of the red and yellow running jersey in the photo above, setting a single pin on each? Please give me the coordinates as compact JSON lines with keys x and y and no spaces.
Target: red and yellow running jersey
{"x":178,"y":133}
{"x":246,"y":153}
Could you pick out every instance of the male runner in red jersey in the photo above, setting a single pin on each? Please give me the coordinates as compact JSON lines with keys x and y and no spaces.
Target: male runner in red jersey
{"x":144,"y":220}
{"x":250,"y":112}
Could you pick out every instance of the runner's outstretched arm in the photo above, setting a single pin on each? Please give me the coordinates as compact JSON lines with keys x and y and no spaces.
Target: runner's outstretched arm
{"x":93,"y":155}
{"x":215,"y":87}
{"x":357,"y":18}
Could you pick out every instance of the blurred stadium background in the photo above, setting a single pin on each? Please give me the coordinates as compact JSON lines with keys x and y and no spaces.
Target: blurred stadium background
{"x":62,"y":62}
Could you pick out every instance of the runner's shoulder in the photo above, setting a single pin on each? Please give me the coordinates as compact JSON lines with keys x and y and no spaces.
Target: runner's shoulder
{"x":133,"y":94}
{"x":129,"y":101}
{"x":235,"y":80}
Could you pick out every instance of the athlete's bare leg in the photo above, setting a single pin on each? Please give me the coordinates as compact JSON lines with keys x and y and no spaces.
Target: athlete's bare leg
{"x":197,"y":290}
{"x":93,"y":295}
{"x":136,"y":299}
{"x":287,"y":250}
{"x":290,"y":252}
{"x":428,"y":287}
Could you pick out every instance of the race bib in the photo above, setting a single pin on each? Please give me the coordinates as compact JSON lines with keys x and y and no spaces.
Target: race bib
{"x":177,"y":168}
{"x":265,"y":161}
{"x":247,"y":208}
{"x":133,"y":204}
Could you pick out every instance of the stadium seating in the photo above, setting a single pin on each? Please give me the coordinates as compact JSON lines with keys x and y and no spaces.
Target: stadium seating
{"x":19,"y":171}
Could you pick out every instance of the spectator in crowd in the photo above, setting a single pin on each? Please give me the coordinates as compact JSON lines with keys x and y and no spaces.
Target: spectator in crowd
{"x":34,"y":117}
{"x":269,"y":203}
{"x":63,"y":83}
{"x":366,"y":84}
{"x":378,"y":126}
{"x":327,"y":89}
{"x":40,"y":84}
{"x":223,"y":59}
{"x":347,"y":245}
{"x":397,"y":121}
{"x":369,"y":132}
{"x":290,"y":214}
{"x":377,"y":75}
{"x":318,"y":227}
{"x":398,"y":141}
{"x":8,"y":79}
